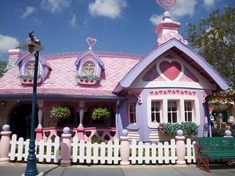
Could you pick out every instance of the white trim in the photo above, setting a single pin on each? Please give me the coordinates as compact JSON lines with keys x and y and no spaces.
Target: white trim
{"x":180,"y":103}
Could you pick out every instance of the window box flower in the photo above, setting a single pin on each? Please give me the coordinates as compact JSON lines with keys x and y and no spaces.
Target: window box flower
{"x":28,"y":79}
{"x":88,"y":79}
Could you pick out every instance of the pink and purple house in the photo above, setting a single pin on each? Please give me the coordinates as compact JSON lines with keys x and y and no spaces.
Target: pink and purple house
{"x":170,"y":84}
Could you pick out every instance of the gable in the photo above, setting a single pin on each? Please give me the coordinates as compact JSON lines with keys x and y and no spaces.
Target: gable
{"x":187,"y":54}
{"x":170,"y":70}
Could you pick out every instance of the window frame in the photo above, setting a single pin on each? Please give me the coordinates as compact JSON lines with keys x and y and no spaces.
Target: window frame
{"x":180,"y":104}
{"x":173,"y":112}
{"x":156,"y":111}
{"x":191,"y":111}
{"x":25,"y":67}
{"x":83,"y":65}
{"x":132,"y":104}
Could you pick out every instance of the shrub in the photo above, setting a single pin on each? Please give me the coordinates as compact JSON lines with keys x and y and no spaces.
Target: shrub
{"x":189,"y":128}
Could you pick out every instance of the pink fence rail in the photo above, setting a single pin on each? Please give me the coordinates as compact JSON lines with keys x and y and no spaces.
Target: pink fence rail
{"x":86,"y":134}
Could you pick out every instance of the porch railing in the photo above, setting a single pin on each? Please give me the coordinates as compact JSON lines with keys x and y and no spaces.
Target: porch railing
{"x":86,"y":134}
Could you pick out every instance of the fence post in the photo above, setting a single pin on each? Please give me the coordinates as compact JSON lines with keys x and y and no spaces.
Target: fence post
{"x":5,"y":144}
{"x":180,"y":147}
{"x":125,"y":148}
{"x":228,"y":133}
{"x":66,"y":147}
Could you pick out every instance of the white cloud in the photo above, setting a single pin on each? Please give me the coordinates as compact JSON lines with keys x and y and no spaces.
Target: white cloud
{"x":28,"y":11}
{"x":209,"y":3}
{"x":55,"y":5}
{"x":107,"y":8}
{"x":155,"y":19}
{"x":183,"y":8}
{"x":7,"y":42}
{"x":73,"y":20}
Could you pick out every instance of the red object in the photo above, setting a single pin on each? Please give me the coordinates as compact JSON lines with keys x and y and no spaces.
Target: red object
{"x":170,"y":70}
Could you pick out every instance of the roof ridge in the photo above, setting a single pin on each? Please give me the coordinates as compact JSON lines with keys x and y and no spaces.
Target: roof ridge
{"x":99,"y":53}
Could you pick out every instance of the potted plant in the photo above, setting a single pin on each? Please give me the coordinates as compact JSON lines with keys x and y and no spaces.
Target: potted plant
{"x":100,"y":113}
{"x":60,"y":112}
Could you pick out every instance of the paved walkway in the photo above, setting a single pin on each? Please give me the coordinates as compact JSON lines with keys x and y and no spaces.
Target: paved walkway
{"x":17,"y":169}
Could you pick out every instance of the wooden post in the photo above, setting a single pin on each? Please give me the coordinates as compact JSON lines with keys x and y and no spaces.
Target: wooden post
{"x":66,"y":147}
{"x":5,"y":144}
{"x":125,"y":148}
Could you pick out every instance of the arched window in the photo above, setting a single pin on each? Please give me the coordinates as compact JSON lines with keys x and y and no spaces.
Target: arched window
{"x":29,"y":68}
{"x":88,"y":68}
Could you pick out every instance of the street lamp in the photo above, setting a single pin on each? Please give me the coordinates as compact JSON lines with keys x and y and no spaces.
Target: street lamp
{"x":33,"y":46}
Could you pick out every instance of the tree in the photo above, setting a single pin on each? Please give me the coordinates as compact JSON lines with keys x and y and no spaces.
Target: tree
{"x":215,"y":39}
{"x":2,"y":67}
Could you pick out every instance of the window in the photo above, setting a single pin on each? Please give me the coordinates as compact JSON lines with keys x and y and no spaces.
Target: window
{"x":172,"y":111}
{"x":132,"y":112}
{"x":188,"y":111}
{"x":29,"y":68}
{"x":155,"y":112}
{"x":88,"y":68}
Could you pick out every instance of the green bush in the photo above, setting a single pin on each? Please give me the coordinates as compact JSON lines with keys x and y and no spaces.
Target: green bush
{"x":100,"y":113}
{"x":59,"y":112}
{"x":189,"y":128}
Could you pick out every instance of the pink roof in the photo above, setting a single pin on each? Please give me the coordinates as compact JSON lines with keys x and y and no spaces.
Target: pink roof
{"x":62,"y":79}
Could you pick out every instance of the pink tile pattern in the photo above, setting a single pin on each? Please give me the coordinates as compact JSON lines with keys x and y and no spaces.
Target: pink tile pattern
{"x":62,"y":79}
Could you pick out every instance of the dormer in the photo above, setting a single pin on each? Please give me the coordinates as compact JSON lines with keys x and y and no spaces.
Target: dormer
{"x":89,"y":66}
{"x":26,"y":64}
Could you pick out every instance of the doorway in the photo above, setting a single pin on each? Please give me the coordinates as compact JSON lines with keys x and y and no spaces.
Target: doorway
{"x":20,"y":120}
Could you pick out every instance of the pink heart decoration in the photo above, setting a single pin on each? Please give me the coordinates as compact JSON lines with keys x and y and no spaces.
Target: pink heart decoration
{"x":91,"y":41}
{"x":170,"y":70}
{"x":166,"y":4}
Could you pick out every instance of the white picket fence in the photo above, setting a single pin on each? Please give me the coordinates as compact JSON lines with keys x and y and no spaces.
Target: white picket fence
{"x":48,"y":151}
{"x":87,"y":153}
{"x":152,"y":153}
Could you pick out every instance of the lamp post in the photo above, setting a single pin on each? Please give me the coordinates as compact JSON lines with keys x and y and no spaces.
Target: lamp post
{"x":33,"y":46}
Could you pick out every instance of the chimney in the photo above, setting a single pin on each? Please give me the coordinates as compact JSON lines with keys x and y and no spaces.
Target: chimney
{"x":14,"y":55}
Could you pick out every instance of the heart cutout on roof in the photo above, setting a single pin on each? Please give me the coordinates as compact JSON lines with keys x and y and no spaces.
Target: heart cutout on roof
{"x":170,"y":70}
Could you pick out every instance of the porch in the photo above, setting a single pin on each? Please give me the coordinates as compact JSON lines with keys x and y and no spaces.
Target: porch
{"x":80,"y":119}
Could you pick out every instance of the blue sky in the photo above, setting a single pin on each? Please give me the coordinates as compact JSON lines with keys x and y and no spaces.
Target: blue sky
{"x":119,"y":25}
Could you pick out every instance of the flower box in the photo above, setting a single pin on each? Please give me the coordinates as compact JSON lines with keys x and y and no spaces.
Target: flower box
{"x":28,"y":79}
{"x":87,"y":79}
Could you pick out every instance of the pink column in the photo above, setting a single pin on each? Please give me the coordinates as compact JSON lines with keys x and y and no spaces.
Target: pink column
{"x":125,"y":148}
{"x":80,"y":133}
{"x":66,"y":147}
{"x":180,"y":147}
{"x":5,"y":144}
{"x":39,"y":134}
{"x":39,"y":129}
